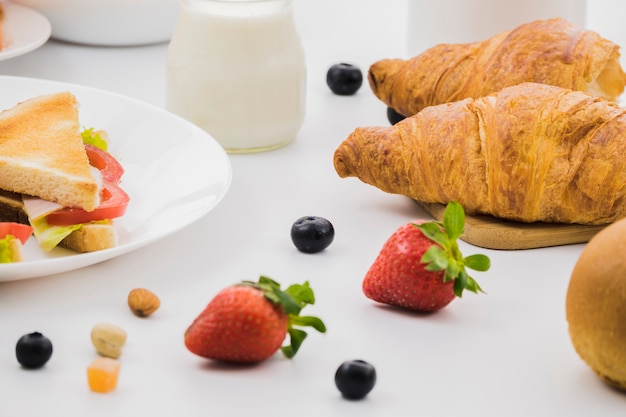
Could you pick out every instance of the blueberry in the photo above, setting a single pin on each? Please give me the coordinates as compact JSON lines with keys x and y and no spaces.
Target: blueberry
{"x":344,"y":79}
{"x":393,"y":116}
{"x":33,"y":350}
{"x":355,"y":379}
{"x":312,"y":234}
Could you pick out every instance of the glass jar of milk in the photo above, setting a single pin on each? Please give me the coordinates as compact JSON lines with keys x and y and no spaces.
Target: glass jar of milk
{"x":236,"y":68}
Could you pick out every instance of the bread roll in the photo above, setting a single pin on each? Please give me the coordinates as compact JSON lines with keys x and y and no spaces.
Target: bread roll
{"x":596,"y":305}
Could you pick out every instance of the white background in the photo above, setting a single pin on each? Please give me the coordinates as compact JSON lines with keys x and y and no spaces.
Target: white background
{"x":506,"y":353}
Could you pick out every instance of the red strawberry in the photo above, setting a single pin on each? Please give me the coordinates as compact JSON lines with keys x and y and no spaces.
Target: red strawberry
{"x":248,"y":322}
{"x":420,"y":267}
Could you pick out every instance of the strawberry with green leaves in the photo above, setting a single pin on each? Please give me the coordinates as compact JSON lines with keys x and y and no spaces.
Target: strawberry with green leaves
{"x":248,"y":322}
{"x":420,"y":267}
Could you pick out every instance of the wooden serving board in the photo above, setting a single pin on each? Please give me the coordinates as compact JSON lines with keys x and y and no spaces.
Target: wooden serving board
{"x":492,"y":233}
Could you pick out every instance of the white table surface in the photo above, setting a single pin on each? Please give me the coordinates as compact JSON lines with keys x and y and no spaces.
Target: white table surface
{"x":506,"y":353}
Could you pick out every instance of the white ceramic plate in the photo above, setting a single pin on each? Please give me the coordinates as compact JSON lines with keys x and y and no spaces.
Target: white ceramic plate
{"x":23,"y":29}
{"x":175,"y":172}
{"x":108,"y":22}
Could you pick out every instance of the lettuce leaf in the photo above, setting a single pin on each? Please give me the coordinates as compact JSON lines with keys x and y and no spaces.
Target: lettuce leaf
{"x":5,"y":250}
{"x":93,"y":137}
{"x":50,"y":236}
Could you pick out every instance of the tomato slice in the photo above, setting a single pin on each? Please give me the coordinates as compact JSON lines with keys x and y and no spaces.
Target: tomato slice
{"x":17,"y":230}
{"x":109,"y":167}
{"x":113,"y":204}
{"x":113,"y":200}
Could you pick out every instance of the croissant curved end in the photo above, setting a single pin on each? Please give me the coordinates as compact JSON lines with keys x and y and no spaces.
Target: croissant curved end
{"x":380,"y":72}
{"x":343,"y":160}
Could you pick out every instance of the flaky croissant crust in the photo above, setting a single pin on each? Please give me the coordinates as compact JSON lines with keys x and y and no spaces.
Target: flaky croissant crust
{"x":528,"y":153}
{"x":549,"y":51}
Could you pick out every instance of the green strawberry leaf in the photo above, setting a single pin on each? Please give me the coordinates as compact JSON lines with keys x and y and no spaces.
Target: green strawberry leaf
{"x":446,"y":255}
{"x":477,"y":262}
{"x":292,"y":300}
{"x":472,"y":285}
{"x":435,"y":258}
{"x":290,"y":304}
{"x":301,"y":292}
{"x":309,"y":321}
{"x":433,"y":231}
{"x":453,"y":270}
{"x":296,"y":337}
{"x":454,"y":220}
{"x":460,"y":283}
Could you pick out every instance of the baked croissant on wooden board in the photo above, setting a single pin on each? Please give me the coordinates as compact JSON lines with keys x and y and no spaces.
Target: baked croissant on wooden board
{"x":529,"y":153}
{"x":550,"y":51}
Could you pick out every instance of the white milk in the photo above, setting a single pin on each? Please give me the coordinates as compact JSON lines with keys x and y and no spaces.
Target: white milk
{"x":237,"y":70}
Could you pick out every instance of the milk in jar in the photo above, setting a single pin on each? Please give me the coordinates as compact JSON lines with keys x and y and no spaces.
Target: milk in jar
{"x":237,"y":69}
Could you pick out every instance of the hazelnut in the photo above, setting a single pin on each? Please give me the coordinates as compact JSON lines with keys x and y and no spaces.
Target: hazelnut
{"x":108,"y":339}
{"x":143,"y":302}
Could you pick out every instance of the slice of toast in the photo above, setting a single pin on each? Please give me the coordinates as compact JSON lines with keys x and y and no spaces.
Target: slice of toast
{"x":91,"y":237}
{"x":42,"y":152}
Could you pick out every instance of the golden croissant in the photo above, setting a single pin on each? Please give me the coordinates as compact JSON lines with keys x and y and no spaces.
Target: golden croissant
{"x":545,"y":51}
{"x":529,"y":153}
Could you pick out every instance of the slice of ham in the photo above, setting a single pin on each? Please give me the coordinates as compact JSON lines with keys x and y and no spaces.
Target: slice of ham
{"x":37,"y":208}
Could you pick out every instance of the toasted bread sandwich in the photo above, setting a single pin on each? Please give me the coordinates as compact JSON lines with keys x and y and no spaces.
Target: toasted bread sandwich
{"x":12,"y":236}
{"x":51,"y":179}
{"x":42,"y":152}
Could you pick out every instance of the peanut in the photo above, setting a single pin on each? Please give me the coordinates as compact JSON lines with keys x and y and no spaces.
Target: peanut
{"x":108,"y":339}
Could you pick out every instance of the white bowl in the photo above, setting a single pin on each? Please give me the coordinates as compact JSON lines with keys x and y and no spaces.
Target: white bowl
{"x":108,"y":22}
